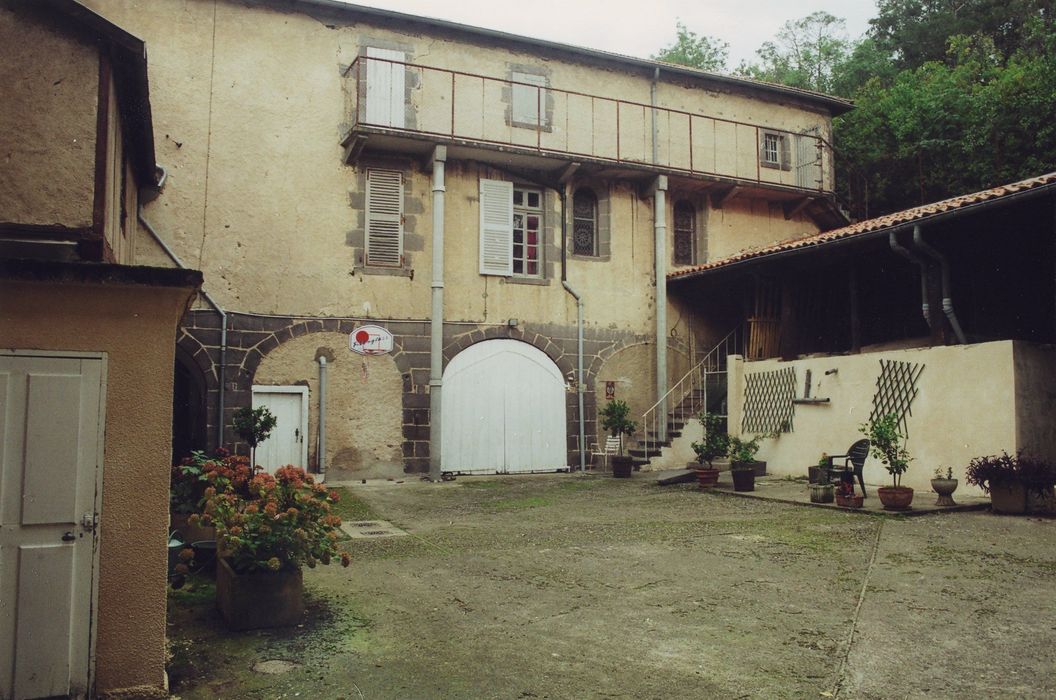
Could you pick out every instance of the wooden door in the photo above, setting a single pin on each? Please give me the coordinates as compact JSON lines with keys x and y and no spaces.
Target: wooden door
{"x":503,"y":410}
{"x":385,"y":87}
{"x":51,"y":418}
{"x":288,"y":442}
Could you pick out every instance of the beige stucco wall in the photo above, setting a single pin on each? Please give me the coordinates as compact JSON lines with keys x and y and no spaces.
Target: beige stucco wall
{"x":1035,"y":399}
{"x":257,"y":190}
{"x":633,"y":369}
{"x":136,"y":328}
{"x":965,"y":407}
{"x":364,"y":414}
{"x":54,"y":74}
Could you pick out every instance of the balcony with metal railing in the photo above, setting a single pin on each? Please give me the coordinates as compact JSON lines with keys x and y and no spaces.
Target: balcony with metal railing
{"x":399,"y":106}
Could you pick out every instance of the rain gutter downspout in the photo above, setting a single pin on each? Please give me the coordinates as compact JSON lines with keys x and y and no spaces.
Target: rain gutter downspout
{"x":660,"y":236}
{"x":322,"y":417}
{"x":436,"y":322}
{"x":580,"y":382}
{"x":947,"y":300}
{"x":925,"y":308}
{"x":223,"y":322}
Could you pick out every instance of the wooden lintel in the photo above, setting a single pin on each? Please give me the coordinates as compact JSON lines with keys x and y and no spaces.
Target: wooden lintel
{"x":794,"y":207}
{"x":567,"y":172}
{"x":354,"y":145}
{"x":719,"y":198}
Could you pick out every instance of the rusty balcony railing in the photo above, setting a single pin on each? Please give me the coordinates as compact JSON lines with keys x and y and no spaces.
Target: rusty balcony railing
{"x":389,"y":95}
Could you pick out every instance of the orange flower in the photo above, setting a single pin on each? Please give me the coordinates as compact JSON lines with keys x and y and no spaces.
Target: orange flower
{"x":346,"y":559}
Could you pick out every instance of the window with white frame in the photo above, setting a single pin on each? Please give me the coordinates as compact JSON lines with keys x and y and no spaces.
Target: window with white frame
{"x":774,"y":150}
{"x":511,"y":230}
{"x":384,"y":220}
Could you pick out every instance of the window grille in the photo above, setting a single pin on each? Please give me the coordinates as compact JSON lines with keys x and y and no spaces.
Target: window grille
{"x":584,"y":223}
{"x":685,"y":233}
{"x":772,"y":148}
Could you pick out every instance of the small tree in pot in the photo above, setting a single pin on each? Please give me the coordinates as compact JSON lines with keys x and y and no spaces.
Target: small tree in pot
{"x":716,"y":443}
{"x":742,"y":462}
{"x":254,"y":425}
{"x":886,"y":444}
{"x":616,"y":422}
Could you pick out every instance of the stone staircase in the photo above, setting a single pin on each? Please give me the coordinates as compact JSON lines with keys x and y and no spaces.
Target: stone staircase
{"x":711,"y":399}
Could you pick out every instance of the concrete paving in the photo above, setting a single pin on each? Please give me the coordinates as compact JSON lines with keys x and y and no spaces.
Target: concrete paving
{"x":573,"y":586}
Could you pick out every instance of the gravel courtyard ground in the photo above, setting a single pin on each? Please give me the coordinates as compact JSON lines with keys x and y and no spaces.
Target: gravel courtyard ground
{"x":569,"y":586}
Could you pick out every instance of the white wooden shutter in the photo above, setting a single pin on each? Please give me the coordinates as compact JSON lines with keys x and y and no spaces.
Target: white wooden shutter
{"x":384,"y":217}
{"x":385,"y":88}
{"x":529,"y":103}
{"x":496,"y":227}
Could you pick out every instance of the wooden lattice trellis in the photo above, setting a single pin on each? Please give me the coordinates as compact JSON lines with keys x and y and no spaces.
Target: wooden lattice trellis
{"x":768,"y":406}
{"x":896,"y":387}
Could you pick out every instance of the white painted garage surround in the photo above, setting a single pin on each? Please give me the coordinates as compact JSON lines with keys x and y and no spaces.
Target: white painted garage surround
{"x":503,"y":410}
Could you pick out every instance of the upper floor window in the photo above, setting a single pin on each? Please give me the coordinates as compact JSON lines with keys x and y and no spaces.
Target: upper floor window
{"x":685,"y":233}
{"x":774,"y":150}
{"x":584,"y":222}
{"x":528,"y":106}
{"x":384,"y":218}
{"x":511,"y":230}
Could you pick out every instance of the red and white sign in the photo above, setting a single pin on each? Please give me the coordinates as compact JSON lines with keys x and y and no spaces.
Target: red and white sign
{"x":370,"y":340}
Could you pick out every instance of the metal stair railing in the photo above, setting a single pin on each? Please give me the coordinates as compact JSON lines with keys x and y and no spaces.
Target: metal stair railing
{"x":691,"y":387}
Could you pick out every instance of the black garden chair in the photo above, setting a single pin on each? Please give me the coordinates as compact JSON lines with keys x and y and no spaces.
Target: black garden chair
{"x":853,"y":460}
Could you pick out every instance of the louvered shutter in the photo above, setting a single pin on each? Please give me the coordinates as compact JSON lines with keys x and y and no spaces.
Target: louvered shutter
{"x":496,"y":228}
{"x":384,"y":217}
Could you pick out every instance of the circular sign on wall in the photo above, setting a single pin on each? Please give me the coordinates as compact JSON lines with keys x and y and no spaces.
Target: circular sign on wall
{"x":370,"y":340}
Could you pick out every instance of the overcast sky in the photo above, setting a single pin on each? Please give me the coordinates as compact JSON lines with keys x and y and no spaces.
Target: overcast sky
{"x":637,"y":28}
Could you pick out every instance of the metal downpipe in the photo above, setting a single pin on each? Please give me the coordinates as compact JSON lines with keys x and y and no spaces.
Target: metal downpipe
{"x":223,"y":321}
{"x":322,"y":418}
{"x":436,"y":322}
{"x":580,"y":383}
{"x":925,"y":308}
{"x":660,"y":236}
{"x":947,"y":299}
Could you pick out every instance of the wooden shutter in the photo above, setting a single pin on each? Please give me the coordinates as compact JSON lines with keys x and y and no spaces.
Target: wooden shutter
{"x":384,"y":217}
{"x":496,"y":227}
{"x":385,"y":87}
{"x":529,"y":103}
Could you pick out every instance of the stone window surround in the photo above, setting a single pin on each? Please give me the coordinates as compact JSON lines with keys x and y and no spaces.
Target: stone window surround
{"x":410,"y":82}
{"x":700,"y":240}
{"x":548,"y":95}
{"x":784,"y":146}
{"x":413,"y":207}
{"x":604,"y":231}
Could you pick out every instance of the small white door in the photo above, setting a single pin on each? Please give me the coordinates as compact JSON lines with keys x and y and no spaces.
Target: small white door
{"x":385,"y":87}
{"x":288,"y":442}
{"x":503,"y":410}
{"x":808,"y":160}
{"x":51,"y":416}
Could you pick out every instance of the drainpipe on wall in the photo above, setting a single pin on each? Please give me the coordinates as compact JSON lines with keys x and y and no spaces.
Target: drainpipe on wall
{"x":322,"y":418}
{"x":436,"y":323}
{"x":925,"y":308}
{"x":947,"y":300}
{"x":660,"y":234}
{"x":580,"y":381}
{"x":223,"y":320}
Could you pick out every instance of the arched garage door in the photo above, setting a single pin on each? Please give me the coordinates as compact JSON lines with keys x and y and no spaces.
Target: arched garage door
{"x":503,"y":410}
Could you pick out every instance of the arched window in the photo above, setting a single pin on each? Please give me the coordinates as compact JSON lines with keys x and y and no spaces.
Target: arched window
{"x":584,"y":222}
{"x":685,"y":233}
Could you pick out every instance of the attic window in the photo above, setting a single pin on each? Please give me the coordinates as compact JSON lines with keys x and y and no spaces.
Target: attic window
{"x":774,"y":150}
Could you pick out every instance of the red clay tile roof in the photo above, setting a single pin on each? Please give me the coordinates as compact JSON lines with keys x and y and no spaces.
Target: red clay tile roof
{"x":878,"y":224}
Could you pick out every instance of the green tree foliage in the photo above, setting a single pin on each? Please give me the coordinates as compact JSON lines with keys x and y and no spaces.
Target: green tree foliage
{"x":806,"y":53}
{"x":695,"y":50}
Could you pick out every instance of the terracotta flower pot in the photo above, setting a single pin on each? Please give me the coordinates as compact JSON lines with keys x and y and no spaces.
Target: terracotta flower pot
{"x":945,"y":489}
{"x":707,"y":478}
{"x":895,"y":497}
{"x":850,"y":501}
{"x":1009,"y":497}
{"x":258,"y":600}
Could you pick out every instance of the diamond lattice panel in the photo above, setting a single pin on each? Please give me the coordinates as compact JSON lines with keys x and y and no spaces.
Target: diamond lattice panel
{"x":768,"y":406}
{"x":896,"y":387}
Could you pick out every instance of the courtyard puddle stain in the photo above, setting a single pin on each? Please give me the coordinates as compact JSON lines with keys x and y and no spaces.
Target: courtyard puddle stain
{"x":371,"y":529}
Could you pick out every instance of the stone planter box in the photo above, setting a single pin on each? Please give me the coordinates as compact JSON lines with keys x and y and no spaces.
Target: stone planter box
{"x":259,"y":600}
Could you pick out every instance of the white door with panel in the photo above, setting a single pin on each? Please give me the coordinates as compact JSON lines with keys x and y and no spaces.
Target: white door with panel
{"x":503,"y":410}
{"x":51,"y":421}
{"x":386,"y":81}
{"x":288,"y":442}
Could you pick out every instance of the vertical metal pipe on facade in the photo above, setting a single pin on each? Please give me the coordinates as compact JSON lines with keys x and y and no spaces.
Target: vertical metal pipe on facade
{"x":322,"y":418}
{"x":660,"y":235}
{"x":436,"y":325}
{"x":580,"y":379}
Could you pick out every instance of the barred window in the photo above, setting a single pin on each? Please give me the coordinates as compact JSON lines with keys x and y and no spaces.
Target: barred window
{"x":685,"y":233}
{"x":584,"y":222}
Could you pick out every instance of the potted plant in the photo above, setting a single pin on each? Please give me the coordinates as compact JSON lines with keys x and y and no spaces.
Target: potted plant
{"x":944,"y":486}
{"x":742,"y":462}
{"x":886,"y":444}
{"x":819,"y":473}
{"x":269,"y":527}
{"x":615,"y":420}
{"x":716,"y":443}
{"x":845,"y":496}
{"x":1018,"y":484}
{"x":254,"y":425}
{"x":187,"y":483}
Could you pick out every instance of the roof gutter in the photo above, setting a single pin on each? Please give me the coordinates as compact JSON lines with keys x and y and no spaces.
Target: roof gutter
{"x":941,"y":217}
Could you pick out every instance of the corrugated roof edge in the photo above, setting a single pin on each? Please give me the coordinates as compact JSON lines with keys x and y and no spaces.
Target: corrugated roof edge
{"x":835,"y":105}
{"x":882,"y":224}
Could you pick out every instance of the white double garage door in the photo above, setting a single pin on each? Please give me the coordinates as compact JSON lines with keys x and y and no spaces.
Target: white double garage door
{"x":503,"y":410}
